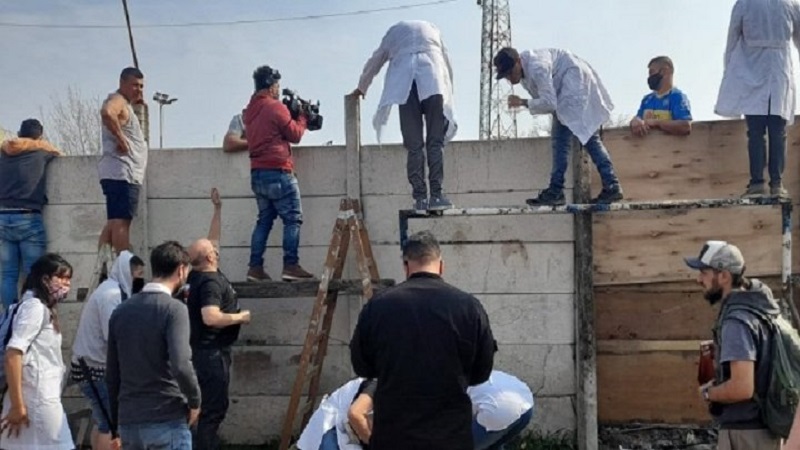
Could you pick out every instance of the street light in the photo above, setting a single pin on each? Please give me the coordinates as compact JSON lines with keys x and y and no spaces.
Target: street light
{"x":162,"y":99}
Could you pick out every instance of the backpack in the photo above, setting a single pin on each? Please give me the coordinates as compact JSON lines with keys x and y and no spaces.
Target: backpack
{"x":6,"y":327}
{"x":779,"y":403}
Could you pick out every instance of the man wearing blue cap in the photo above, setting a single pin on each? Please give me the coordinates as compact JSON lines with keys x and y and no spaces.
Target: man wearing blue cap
{"x":741,"y":347}
{"x":567,"y":87}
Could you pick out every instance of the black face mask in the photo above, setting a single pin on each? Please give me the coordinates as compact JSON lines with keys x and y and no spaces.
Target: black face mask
{"x":137,"y":285}
{"x":654,"y":81}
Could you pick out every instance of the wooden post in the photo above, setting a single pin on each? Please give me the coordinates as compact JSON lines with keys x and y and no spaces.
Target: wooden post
{"x":352,"y":136}
{"x":585,"y":339}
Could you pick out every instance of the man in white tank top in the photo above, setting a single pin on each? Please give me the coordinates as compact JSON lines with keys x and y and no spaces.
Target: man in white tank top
{"x":122,"y":166}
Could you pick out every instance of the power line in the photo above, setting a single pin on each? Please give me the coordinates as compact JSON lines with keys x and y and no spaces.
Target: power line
{"x":226,"y":23}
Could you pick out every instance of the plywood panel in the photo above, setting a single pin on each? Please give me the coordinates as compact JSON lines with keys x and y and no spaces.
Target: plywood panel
{"x":649,"y":387}
{"x":710,"y":163}
{"x":640,"y":247}
{"x":658,"y":311}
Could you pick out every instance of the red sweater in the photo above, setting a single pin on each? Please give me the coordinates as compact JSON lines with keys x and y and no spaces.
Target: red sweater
{"x":270,"y":131}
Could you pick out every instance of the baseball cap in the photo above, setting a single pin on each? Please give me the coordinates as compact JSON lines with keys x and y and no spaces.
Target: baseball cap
{"x":504,"y":61}
{"x":718,"y":255}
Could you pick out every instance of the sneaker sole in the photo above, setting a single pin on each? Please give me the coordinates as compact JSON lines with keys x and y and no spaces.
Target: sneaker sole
{"x":440,"y":208}
{"x":257,"y":280}
{"x":561,"y":203}
{"x":294,"y":278}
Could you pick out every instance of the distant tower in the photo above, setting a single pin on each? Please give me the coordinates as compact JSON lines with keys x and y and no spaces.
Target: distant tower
{"x":497,"y":121}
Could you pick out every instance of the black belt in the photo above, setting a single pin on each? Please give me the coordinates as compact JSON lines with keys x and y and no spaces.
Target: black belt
{"x":289,"y":171}
{"x":20,"y":211}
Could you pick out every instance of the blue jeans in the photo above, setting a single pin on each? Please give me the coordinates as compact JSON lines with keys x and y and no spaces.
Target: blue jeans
{"x":100,"y":403}
{"x":495,"y":440}
{"x":775,"y":128}
{"x":329,"y":440}
{"x":174,"y":435}
{"x":22,"y":241}
{"x":277,"y":195}
{"x":562,"y":142}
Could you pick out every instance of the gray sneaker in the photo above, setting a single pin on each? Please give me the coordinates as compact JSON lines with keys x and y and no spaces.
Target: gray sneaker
{"x":778,"y":191}
{"x":755,"y":190}
{"x":421,"y":206}
{"x":439,"y":204}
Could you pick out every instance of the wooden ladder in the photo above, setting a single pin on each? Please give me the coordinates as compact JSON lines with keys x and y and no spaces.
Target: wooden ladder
{"x":348,"y":230}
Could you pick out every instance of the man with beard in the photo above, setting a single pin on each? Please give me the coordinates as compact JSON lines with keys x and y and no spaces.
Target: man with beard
{"x":742,"y":347}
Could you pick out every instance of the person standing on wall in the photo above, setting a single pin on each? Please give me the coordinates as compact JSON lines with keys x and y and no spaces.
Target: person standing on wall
{"x":420,"y":80}
{"x":758,"y":83}
{"x":124,"y":161}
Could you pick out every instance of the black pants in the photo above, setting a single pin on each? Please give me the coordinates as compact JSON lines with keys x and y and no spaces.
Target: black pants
{"x":213,"y":374}
{"x":411,"y":115}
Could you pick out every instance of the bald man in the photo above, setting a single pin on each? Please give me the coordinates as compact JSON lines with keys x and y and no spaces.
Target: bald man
{"x":215,"y":320}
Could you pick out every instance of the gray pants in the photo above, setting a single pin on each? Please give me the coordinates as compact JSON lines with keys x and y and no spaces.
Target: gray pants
{"x":747,"y":440}
{"x":775,"y":128}
{"x":411,"y":115}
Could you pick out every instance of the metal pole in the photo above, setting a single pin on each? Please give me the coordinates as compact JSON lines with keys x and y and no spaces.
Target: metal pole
{"x":160,"y":125}
{"x":403,"y":229}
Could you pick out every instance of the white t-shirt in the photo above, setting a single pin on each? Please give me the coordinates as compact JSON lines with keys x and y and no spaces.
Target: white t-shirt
{"x":501,"y":401}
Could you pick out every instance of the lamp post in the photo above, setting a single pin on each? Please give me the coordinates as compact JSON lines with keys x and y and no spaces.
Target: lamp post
{"x":162,"y":99}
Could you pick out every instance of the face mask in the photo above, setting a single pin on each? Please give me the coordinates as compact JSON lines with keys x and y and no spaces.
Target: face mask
{"x":137,"y":285}
{"x":57,"y":291}
{"x":654,"y":81}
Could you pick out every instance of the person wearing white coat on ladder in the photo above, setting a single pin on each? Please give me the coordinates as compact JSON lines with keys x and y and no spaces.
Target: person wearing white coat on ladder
{"x":758,"y":83}
{"x":562,"y":84}
{"x":420,"y":80}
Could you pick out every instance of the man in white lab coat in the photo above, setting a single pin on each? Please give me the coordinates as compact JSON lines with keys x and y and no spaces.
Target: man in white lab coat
{"x":420,"y":80}
{"x":759,"y":83}
{"x":567,"y":87}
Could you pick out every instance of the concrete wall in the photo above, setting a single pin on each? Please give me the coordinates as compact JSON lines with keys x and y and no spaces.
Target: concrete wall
{"x":520,"y":267}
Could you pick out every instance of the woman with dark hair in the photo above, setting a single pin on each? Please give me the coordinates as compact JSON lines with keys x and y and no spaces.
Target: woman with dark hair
{"x":33,"y":417}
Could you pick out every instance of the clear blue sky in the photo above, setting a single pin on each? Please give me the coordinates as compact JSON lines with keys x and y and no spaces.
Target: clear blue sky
{"x":209,"y":68}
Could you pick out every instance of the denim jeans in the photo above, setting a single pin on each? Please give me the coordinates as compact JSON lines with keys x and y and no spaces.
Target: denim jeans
{"x":562,"y":143}
{"x":775,"y":127}
{"x":277,"y":195}
{"x":22,"y":242}
{"x":329,"y":440}
{"x":174,"y":435}
{"x":212,"y":366}
{"x":495,"y":440}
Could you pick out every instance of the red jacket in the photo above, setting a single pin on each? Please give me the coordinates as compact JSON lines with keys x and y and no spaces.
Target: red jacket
{"x":270,"y":131}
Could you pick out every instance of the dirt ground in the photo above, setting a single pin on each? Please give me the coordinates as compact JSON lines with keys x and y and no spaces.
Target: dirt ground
{"x":654,"y":437}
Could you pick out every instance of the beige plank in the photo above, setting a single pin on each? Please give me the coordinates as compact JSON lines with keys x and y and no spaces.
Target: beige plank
{"x":381,"y":216}
{"x":190,"y":173}
{"x":512,"y":267}
{"x":168,"y":220}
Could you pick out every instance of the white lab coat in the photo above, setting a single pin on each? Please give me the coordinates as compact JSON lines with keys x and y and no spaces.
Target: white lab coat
{"x":568,"y":86}
{"x":415,"y":52}
{"x":332,"y":413}
{"x":759,"y":77}
{"x":500,"y":401}
{"x":42,"y":378}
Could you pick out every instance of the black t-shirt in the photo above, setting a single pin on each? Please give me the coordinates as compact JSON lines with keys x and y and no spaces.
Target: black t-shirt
{"x":211,"y":289}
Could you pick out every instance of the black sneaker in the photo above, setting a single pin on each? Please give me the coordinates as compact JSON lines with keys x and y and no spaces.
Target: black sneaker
{"x":609,"y":195}
{"x":549,"y":196}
